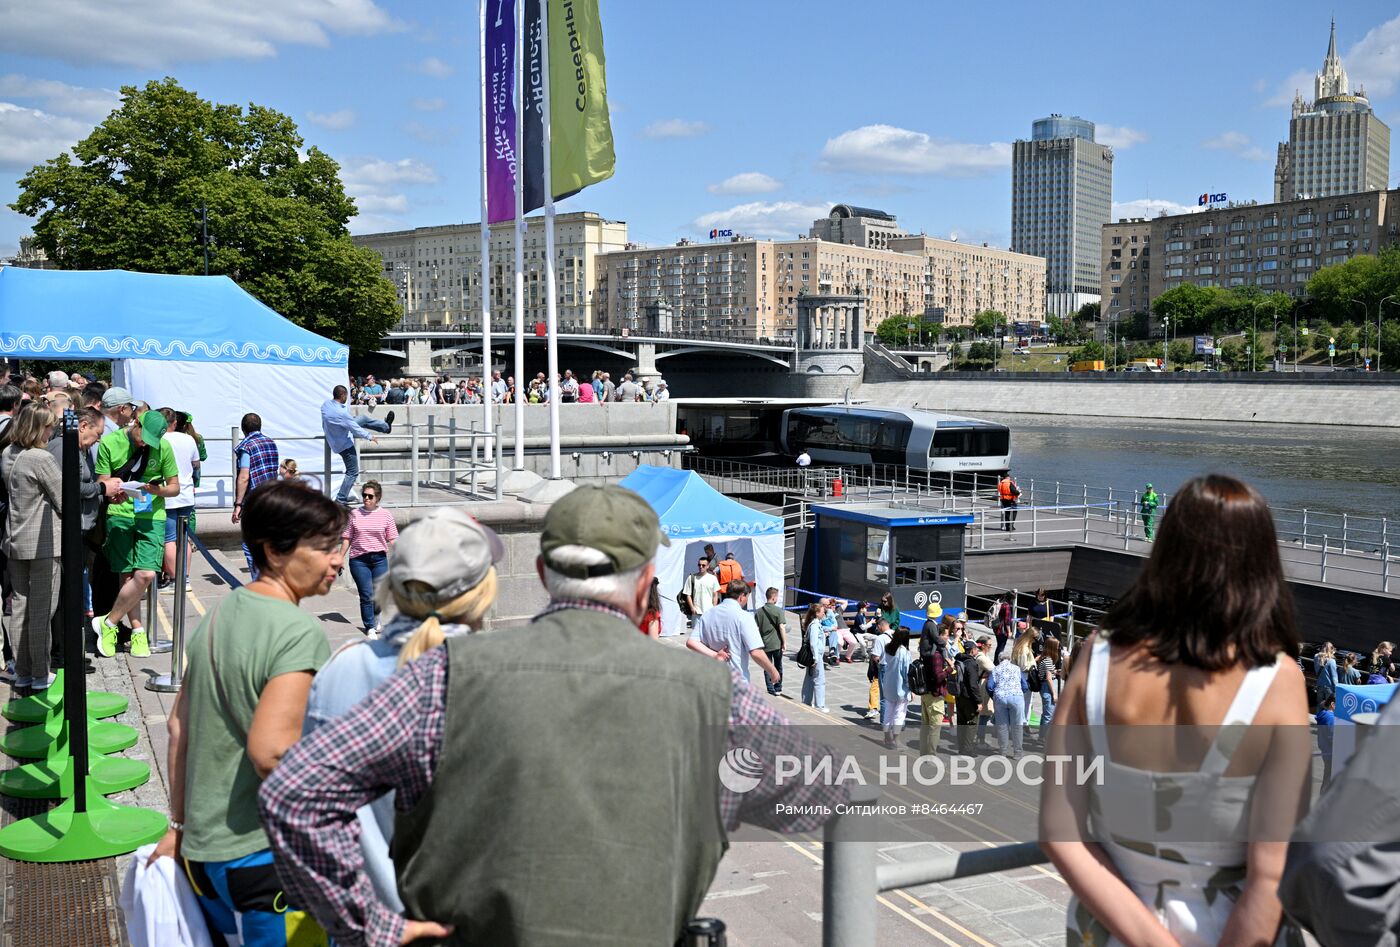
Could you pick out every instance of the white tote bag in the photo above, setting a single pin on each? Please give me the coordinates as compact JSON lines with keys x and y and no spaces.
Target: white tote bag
{"x":159,"y":905}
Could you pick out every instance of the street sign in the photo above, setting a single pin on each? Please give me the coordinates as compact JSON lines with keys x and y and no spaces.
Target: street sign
{"x":1331,"y":351}
{"x":1355,"y":346}
{"x":1305,"y":330}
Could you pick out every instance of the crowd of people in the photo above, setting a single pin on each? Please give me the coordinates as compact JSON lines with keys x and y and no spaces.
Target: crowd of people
{"x":573,"y":389}
{"x":402,"y":789}
{"x":138,"y":469}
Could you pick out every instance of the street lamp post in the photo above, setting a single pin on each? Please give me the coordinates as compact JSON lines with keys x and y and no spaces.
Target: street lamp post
{"x":1165,"y":320}
{"x":1365,"y":324}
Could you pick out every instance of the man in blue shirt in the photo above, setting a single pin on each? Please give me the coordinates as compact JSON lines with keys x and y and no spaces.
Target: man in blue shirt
{"x":342,"y":429}
{"x":728,"y":632}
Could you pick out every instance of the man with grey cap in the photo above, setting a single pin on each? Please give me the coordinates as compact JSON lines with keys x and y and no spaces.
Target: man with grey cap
{"x":119,"y":408}
{"x":58,"y":381}
{"x":555,"y":784}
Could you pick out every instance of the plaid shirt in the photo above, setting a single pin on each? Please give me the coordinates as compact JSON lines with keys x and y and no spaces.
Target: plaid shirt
{"x":262,"y":458}
{"x":391,"y":741}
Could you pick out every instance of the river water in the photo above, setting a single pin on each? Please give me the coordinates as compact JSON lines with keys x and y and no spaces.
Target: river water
{"x":1314,"y":467}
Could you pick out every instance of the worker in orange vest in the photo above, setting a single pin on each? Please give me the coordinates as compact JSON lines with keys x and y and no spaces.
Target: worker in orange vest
{"x":729,"y":570}
{"x":1009,"y":494}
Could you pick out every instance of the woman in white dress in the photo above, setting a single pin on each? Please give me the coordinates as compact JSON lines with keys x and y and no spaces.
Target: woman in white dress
{"x":1199,"y":714}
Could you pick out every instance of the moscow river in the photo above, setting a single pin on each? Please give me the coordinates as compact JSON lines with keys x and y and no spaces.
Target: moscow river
{"x":1332,"y":469}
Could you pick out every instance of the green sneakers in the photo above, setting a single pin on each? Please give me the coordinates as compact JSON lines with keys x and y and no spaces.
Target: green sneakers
{"x":140,"y":647}
{"x":106,"y":636}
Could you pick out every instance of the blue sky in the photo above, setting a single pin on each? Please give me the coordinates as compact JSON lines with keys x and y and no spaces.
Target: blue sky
{"x":749,"y":114}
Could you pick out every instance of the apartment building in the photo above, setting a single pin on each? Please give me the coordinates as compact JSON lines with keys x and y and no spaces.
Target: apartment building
{"x":438,"y":269}
{"x":1126,"y":268}
{"x":964,"y":279}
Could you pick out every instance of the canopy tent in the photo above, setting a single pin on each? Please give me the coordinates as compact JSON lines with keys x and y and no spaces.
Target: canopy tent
{"x":693,"y":513}
{"x":195,"y":343}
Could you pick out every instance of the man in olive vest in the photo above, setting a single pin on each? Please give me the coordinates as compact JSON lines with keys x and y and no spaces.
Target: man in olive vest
{"x":563,"y":783}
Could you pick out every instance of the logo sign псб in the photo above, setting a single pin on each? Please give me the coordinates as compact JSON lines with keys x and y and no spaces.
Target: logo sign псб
{"x":1209,"y":198}
{"x":718,"y":234}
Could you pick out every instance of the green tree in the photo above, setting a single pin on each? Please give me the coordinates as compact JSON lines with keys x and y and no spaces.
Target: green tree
{"x":895,"y":330}
{"x":988,"y":321}
{"x":1187,"y":307}
{"x":1343,"y":290}
{"x":1089,"y":312}
{"x":1090,"y":351}
{"x":1180,"y":353}
{"x":980,"y":355}
{"x":1233,"y":356}
{"x":129,"y":196}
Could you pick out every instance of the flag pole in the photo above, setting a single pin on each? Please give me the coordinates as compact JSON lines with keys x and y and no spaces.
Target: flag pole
{"x":485,"y":250}
{"x":551,"y":314}
{"x":520,"y":229}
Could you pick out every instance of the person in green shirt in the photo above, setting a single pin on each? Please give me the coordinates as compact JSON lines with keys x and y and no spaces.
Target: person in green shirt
{"x":1148,"y":509}
{"x":135,"y":543}
{"x":251,"y":664}
{"x":772,"y":625}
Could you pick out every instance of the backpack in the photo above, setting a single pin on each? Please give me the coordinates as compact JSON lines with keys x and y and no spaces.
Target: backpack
{"x":1034,"y":679}
{"x":968,"y":675}
{"x":918,"y":679}
{"x":681,"y":597}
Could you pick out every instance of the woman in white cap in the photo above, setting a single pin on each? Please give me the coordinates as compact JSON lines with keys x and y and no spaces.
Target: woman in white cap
{"x":442,"y":579}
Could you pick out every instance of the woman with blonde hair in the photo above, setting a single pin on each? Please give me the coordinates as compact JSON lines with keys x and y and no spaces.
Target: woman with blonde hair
{"x":442,"y":580}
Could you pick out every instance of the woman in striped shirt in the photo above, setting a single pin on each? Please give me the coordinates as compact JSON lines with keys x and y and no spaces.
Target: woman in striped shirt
{"x":366,"y":542}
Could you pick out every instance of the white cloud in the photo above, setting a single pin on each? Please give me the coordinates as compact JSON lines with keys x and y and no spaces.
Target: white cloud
{"x":378,"y":186}
{"x":1118,"y":136}
{"x":152,"y":33}
{"x":429,"y":105}
{"x":675,"y":128}
{"x":335,"y":121}
{"x":748,"y":182}
{"x":378,"y":172}
{"x":785,"y":219}
{"x":1236,"y":143}
{"x":432,"y":66}
{"x":885,"y":149}
{"x":1300,"y":80}
{"x":59,"y":97}
{"x":32,"y":136}
{"x":1150,"y":207}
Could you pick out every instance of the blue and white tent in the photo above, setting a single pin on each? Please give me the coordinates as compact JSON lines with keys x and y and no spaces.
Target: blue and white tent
{"x":196,"y":343}
{"x":694,"y":514}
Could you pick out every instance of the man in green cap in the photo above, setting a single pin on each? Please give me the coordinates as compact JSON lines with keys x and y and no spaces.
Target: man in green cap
{"x":1148,"y":509}
{"x":141,"y":464}
{"x":564,"y":783}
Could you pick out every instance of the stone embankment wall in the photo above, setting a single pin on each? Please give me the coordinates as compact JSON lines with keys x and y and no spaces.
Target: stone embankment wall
{"x":1373,"y":402}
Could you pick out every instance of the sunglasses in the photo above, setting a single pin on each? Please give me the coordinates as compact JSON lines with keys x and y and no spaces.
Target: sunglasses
{"x":369,"y":496}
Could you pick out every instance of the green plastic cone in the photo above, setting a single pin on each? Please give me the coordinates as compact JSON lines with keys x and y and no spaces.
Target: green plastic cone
{"x":65,"y":835}
{"x":49,"y":703}
{"x":53,"y":779}
{"x":51,"y":739}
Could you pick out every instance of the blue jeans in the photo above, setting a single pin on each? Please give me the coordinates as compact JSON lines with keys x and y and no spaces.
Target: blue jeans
{"x":814,"y":684}
{"x":351,"y":457}
{"x":1009,"y":716}
{"x":364,"y":570}
{"x":1047,"y":704}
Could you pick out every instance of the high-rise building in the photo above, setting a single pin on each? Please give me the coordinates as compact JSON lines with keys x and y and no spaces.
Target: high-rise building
{"x":1336,"y":144}
{"x":438,"y":269}
{"x":1061,"y":196}
{"x":1127,"y":263}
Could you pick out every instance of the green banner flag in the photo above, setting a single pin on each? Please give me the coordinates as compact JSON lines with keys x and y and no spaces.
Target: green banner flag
{"x":580,"y":129}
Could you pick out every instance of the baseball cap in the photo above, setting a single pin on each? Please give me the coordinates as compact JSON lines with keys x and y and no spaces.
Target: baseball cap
{"x":611,"y":519}
{"x":441,"y":556}
{"x":58,"y":379}
{"x":152,"y":426}
{"x":115,"y":398}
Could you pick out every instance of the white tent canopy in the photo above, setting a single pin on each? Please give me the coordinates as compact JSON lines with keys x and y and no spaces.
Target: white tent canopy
{"x":194,"y":343}
{"x":692,"y":514}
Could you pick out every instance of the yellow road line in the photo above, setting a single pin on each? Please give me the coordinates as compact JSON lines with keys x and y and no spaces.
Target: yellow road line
{"x":887,"y":902}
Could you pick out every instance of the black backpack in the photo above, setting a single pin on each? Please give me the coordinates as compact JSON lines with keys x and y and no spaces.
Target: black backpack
{"x":1034,"y":679}
{"x":918,"y":680}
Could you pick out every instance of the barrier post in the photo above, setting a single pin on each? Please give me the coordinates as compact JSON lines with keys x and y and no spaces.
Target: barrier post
{"x":850,"y":885}
{"x":329,"y":473}
{"x":85,"y":825}
{"x":413,"y":464}
{"x":1035,"y":540}
{"x":170,"y":683}
{"x":1305,"y":528}
{"x":452,"y":454}
{"x":1385,"y":569}
{"x":153,"y":639}
{"x":1344,"y":534}
{"x":1324,"y":557}
{"x":1085,"y":508}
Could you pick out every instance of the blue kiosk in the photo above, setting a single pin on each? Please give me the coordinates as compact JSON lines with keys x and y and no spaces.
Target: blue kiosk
{"x":860,"y":551}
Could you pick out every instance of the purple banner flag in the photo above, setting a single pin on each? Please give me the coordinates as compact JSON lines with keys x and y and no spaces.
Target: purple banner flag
{"x":501,"y":152}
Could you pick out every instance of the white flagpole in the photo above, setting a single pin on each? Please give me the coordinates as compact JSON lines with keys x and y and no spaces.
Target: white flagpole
{"x":551,"y":314}
{"x":520,"y":73}
{"x":485,"y":249}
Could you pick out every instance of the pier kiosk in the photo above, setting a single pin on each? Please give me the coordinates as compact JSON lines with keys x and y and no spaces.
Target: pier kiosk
{"x":860,"y":551}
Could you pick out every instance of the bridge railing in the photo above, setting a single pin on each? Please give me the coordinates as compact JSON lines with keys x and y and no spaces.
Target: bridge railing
{"x":506,"y":331}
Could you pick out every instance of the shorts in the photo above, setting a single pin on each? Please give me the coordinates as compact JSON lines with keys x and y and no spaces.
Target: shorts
{"x":244,"y":898}
{"x":184,"y":512}
{"x":134,"y":545}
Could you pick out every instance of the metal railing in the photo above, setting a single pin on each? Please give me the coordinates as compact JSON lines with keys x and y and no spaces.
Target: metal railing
{"x":853,"y":878}
{"x":462,"y":460}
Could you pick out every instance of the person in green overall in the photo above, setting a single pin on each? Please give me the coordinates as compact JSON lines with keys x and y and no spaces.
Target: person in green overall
{"x":1148,"y":508}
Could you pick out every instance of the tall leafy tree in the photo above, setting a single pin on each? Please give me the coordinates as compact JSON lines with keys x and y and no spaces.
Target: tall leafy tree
{"x":129,"y":197}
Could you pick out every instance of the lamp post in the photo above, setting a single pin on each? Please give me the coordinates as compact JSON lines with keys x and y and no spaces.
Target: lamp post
{"x":1379,"y":307}
{"x":1165,"y":320}
{"x":1365,"y":323}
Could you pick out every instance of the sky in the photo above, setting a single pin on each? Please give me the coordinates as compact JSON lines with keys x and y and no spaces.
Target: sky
{"x":750,"y":115}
